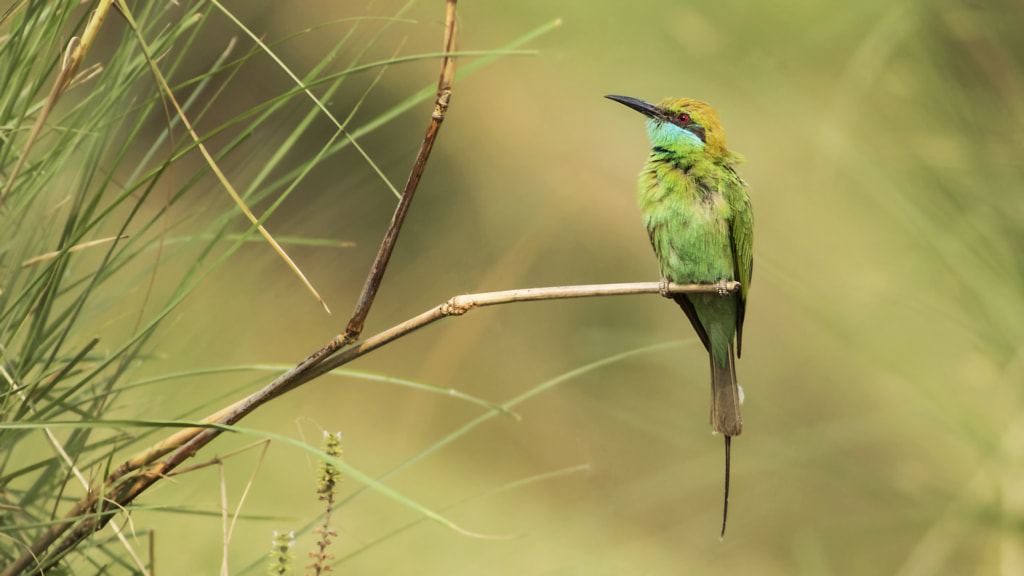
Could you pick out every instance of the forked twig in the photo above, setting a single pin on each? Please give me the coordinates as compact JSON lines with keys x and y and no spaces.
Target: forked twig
{"x":444,"y":93}
{"x":121,"y":489}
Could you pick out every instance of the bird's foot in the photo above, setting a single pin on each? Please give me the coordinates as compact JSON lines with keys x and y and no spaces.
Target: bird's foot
{"x":722,"y":286}
{"x":663,"y":288}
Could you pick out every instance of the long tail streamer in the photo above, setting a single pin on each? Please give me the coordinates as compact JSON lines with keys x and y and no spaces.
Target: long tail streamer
{"x":725,"y":509}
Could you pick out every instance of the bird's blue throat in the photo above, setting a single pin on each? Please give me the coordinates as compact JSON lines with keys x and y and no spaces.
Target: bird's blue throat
{"x":671,"y":137}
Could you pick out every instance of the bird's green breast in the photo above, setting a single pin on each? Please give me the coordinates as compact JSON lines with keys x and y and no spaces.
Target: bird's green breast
{"x":687,"y":216}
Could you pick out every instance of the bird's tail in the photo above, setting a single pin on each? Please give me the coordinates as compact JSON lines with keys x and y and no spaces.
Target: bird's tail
{"x":725,"y":396}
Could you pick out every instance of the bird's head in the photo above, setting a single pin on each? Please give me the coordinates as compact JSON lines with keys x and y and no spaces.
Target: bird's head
{"x":681,"y":124}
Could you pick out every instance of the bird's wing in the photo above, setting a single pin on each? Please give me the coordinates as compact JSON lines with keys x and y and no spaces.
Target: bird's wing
{"x":742,"y":235}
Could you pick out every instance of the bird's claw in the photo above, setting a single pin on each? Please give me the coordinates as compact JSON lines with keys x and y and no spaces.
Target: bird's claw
{"x":663,"y":288}
{"x":722,"y":287}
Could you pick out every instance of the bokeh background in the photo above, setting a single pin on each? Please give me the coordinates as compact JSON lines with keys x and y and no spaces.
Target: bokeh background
{"x":882,"y":352}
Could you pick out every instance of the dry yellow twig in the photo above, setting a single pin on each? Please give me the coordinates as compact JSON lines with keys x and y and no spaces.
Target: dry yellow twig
{"x":76,"y":248}
{"x":186,"y":442}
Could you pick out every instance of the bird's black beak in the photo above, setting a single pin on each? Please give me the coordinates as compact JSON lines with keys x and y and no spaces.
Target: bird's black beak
{"x":645,"y":108}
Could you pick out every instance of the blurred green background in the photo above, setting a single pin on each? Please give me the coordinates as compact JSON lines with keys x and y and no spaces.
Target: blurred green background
{"x":883,"y":338}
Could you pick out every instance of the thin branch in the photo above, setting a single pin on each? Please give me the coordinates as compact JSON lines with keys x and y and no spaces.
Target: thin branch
{"x":455,"y":306}
{"x":187,"y":442}
{"x":459,"y":305}
{"x":444,"y":92}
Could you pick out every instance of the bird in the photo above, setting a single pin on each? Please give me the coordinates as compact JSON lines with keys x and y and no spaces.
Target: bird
{"x":698,"y":215}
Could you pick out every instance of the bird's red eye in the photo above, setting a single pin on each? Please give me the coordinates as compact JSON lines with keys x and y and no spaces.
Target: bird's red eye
{"x":683,"y":118}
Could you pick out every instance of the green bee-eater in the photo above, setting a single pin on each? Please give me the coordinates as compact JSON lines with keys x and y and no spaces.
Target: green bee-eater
{"x":698,"y":216}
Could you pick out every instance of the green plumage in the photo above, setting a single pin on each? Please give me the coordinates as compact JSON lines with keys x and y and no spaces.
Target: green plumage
{"x":698,"y":216}
{"x":697,"y":212}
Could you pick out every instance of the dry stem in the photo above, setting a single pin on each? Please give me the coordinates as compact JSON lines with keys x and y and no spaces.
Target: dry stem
{"x":444,"y":92}
{"x":120,"y":491}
